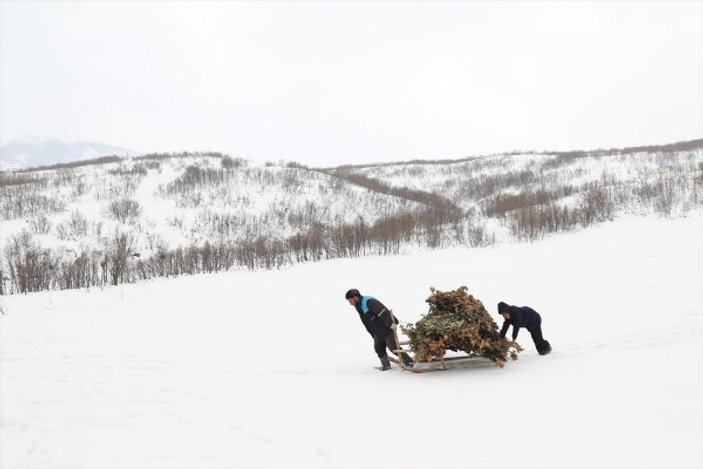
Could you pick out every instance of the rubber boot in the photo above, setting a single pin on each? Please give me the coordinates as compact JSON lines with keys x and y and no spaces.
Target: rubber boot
{"x":407,"y":360}
{"x":546,"y":348}
{"x":385,"y":363}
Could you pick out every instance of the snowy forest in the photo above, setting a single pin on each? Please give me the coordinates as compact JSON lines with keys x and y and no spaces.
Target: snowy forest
{"x":112,"y":220}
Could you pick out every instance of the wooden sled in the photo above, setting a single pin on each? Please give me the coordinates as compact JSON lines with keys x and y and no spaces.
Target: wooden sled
{"x":443,"y":365}
{"x":429,"y":366}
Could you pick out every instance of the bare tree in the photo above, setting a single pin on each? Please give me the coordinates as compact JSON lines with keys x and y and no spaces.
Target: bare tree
{"x":117,"y":257}
{"x":125,"y":210}
{"x":40,"y":224}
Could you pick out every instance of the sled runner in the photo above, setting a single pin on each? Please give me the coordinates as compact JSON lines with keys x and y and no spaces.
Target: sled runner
{"x":445,"y":364}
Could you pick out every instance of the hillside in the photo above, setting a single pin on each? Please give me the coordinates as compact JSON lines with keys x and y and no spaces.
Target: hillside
{"x":115,"y":220}
{"x":531,"y":194}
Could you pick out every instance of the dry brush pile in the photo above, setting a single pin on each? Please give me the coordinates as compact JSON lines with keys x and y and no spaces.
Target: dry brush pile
{"x":458,"y":322}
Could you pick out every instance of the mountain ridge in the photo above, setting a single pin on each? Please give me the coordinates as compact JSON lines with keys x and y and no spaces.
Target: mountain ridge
{"x":46,"y":150}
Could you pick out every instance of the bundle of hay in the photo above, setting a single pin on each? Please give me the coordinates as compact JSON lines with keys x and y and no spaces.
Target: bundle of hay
{"x":457,"y":321}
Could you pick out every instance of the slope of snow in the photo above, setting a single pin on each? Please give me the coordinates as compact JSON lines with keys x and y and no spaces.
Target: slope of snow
{"x":456,"y":181}
{"x":273,"y":369}
{"x":187,"y":200}
{"x":253,"y":200}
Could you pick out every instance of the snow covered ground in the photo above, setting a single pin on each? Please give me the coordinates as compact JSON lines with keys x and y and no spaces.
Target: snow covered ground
{"x":274,"y":369}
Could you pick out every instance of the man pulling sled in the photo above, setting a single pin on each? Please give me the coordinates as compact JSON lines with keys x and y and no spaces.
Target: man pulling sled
{"x":379,"y":322}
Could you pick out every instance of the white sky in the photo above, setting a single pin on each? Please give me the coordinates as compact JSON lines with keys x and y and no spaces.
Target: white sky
{"x":349,"y":82}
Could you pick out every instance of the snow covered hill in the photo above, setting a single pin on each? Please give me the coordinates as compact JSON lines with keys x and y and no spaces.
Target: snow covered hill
{"x":114,"y":220}
{"x":273,"y":368}
{"x":531,"y":194}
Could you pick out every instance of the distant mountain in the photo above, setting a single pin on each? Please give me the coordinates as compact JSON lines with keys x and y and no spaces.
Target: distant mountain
{"x":39,"y":151}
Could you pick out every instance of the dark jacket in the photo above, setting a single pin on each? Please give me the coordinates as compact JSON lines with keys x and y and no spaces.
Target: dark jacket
{"x":521,"y":317}
{"x":375,"y":316}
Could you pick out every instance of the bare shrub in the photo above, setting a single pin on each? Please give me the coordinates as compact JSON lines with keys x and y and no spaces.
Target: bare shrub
{"x":9,"y":179}
{"x":63,"y":232}
{"x":218,"y":226}
{"x":500,"y":204}
{"x":79,"y":188}
{"x":175,"y":222}
{"x":126,"y":170}
{"x":63,"y":177}
{"x":195,"y":176}
{"x":78,"y":224}
{"x":73,"y":228}
{"x":185,"y":154}
{"x":228,"y":162}
{"x":155,"y":242}
{"x":125,"y":210}
{"x":427,"y":198}
{"x":661,"y":195}
{"x":477,"y":235}
{"x":115,"y":263}
{"x":596,"y":206}
{"x":75,"y":164}
{"x":292,"y":182}
{"x":31,"y":268}
{"x":308,"y":246}
{"x":83,"y":271}
{"x":534,"y":222}
{"x":40,"y":225}
{"x":4,"y":283}
{"x":295,"y":165}
{"x":262,"y":252}
{"x":161,"y":156}
{"x":486,"y":185}
{"x":16,"y":202}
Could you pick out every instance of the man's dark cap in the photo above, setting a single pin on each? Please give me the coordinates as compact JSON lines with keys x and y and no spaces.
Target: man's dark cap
{"x":503,"y":308}
{"x":352,"y":293}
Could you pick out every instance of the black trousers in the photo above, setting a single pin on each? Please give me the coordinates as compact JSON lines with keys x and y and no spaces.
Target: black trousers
{"x":541,"y":344}
{"x":380,"y":343}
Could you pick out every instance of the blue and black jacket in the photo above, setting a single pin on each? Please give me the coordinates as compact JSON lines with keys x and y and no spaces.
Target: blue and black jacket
{"x":375,"y":316}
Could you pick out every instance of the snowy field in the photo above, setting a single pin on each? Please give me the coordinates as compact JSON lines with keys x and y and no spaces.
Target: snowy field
{"x":274,"y":369}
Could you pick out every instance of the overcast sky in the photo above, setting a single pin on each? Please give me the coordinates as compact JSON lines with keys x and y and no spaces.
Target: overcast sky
{"x":346,"y":82}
